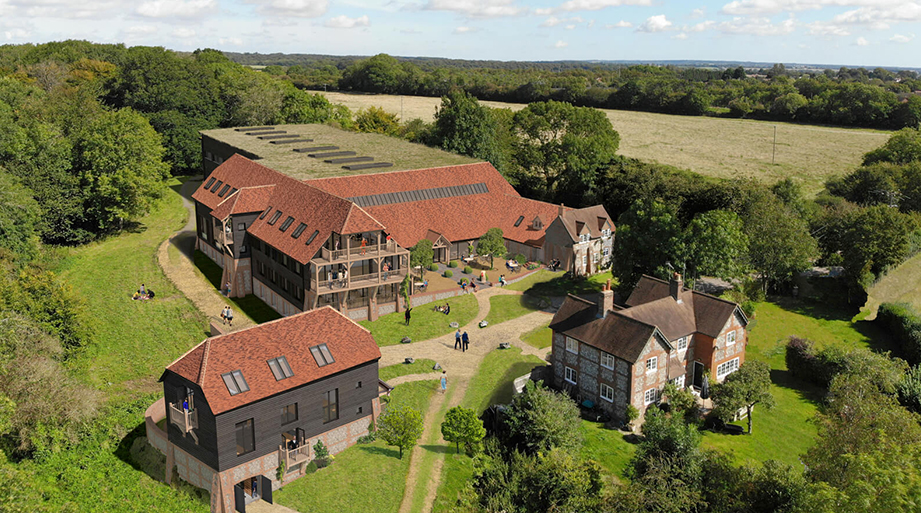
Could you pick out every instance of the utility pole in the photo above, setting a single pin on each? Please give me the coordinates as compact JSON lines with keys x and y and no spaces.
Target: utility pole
{"x":401,"y":108}
{"x":774,"y":147}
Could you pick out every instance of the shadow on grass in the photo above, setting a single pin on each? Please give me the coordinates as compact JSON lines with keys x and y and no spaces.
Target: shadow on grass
{"x":251,"y":305}
{"x":437,"y":449}
{"x":380,"y":451}
{"x":807,"y":391}
{"x":503,"y":391}
{"x":562,"y":285}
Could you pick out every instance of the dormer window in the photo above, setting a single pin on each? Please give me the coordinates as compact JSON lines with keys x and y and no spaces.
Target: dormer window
{"x":284,"y":226}
{"x":280,"y":368}
{"x":536,"y":223}
{"x":235,"y":382}
{"x":275,"y":217}
{"x":322,"y":355}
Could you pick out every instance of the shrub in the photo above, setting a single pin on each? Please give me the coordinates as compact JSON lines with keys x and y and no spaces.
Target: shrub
{"x":904,"y":325}
{"x":631,"y":413}
{"x":321,"y":454}
{"x":820,"y":367}
{"x":453,"y":264}
{"x":520,"y":259}
{"x":468,"y":270}
{"x":540,"y":419}
{"x":448,"y":273}
{"x":910,"y":390}
{"x":433,"y":267}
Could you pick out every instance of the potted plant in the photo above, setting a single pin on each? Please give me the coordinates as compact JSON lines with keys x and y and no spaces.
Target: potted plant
{"x":321,"y":455}
{"x":632,"y":414}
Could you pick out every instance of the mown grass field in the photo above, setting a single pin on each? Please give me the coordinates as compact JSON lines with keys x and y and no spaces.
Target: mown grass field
{"x":723,"y":148}
{"x":369,"y":477}
{"x":901,"y":285}
{"x":504,"y":308}
{"x":420,"y":366}
{"x":425,"y":323}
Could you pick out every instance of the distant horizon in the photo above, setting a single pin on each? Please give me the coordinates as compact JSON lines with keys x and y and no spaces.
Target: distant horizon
{"x":789,"y":31}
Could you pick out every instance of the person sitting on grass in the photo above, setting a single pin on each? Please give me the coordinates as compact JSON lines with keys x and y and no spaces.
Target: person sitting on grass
{"x":137,"y":295}
{"x":446,"y":309}
{"x":439,"y":308}
{"x":502,"y":281}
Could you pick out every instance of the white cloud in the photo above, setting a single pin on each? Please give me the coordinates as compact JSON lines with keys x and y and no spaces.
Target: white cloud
{"x":680,"y":36}
{"x":770,"y":7}
{"x":175,"y":8}
{"x":620,"y":24}
{"x":570,"y":27}
{"x":464,"y":30}
{"x":183,"y":33}
{"x":757,"y":26}
{"x":554,"y":21}
{"x":822,"y":28}
{"x":861,"y":41}
{"x":899,"y":38}
{"x":561,"y":44}
{"x":702,"y":26}
{"x":60,"y":8}
{"x":878,"y":17}
{"x":232,"y":41}
{"x":345,"y":22}
{"x":16,"y":34}
{"x":296,"y":8}
{"x":543,"y":12}
{"x":591,"y":23}
{"x":141,"y":30}
{"x":597,"y":5}
{"x":477,"y":8}
{"x":656,"y":23}
{"x":698,"y":13}
{"x":551,"y":22}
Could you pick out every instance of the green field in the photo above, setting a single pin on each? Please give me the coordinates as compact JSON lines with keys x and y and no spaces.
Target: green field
{"x":368,"y":477}
{"x":426,"y":323}
{"x":419,"y":366}
{"x":719,"y":147}
{"x":250,"y":305}
{"x":504,"y":308}
{"x":540,"y":338}
{"x":902,"y":284}
{"x":544,"y":283}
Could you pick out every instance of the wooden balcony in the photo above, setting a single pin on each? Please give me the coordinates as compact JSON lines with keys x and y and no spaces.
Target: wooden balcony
{"x":293,"y":457}
{"x":361,"y":281}
{"x":329,"y":256}
{"x":186,"y":421}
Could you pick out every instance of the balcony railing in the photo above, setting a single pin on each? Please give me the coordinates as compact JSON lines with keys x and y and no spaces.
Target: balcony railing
{"x":294,"y":456}
{"x":185,"y":420}
{"x":363,"y":280}
{"x":358,"y":253}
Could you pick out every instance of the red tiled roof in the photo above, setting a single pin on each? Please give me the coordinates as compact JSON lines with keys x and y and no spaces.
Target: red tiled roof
{"x":292,"y":337}
{"x":246,"y":200}
{"x":593,"y":218}
{"x":238,"y":172}
{"x":457,"y":218}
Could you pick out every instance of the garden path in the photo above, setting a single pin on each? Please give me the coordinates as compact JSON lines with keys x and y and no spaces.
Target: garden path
{"x":460,"y":367}
{"x":182,"y":272}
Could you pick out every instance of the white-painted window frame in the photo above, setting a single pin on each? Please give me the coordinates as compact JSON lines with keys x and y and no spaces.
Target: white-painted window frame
{"x":726,"y":368}
{"x":604,"y":390}
{"x":572,"y":345}
{"x":730,"y":337}
{"x":571,"y":376}
{"x":652,"y":364}
{"x":651,"y":396}
{"x":609,"y":358}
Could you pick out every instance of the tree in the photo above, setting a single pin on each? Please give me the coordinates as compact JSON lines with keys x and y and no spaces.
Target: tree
{"x":119,"y":161}
{"x":716,"y":245}
{"x":902,"y":147}
{"x":378,"y":74}
{"x":19,"y":218}
{"x":666,"y":436}
{"x":779,"y":241}
{"x":876,"y":239}
{"x":745,"y":388}
{"x":376,"y":120}
{"x":539,"y":419}
{"x":462,"y":425}
{"x":421,"y":255}
{"x":491,"y":244}
{"x":648,"y":239}
{"x":464,"y":126}
{"x":400,"y":426}
{"x":560,"y":149}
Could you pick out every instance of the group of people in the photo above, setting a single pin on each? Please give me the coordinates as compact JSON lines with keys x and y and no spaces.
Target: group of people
{"x":464,"y":284}
{"x":502,"y":281}
{"x":461,"y":341}
{"x":143,"y":294}
{"x":554,"y":264}
{"x":446,"y":309}
{"x":227,"y":316}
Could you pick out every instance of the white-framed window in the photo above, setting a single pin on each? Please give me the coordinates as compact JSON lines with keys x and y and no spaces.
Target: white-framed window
{"x":607,"y":393}
{"x":681,"y":344}
{"x":652,"y":364}
{"x":607,"y":360}
{"x":730,"y":337}
{"x":727,"y":368}
{"x":651,"y":396}
{"x":606,"y":251}
{"x":241,"y":227}
{"x":584,"y":259}
{"x":606,"y":233}
{"x":585,"y":237}
{"x":679,"y":382}
{"x":572,"y":345}
{"x":571,"y":375}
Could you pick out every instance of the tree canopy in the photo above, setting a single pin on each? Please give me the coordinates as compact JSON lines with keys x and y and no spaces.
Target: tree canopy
{"x":743,"y":389}
{"x":400,"y":426}
{"x":461,"y":425}
{"x":491,"y":244}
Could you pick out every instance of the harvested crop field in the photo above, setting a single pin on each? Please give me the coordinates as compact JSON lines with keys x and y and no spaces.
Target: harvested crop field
{"x":724,"y":148}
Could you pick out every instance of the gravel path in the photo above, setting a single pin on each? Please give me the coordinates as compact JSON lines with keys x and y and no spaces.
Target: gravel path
{"x":182,"y":272}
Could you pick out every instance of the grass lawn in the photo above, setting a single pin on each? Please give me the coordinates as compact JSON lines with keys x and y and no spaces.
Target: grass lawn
{"x":545,"y":283}
{"x":504,"y":308}
{"x":426,"y":323}
{"x":899,"y":285}
{"x":711,"y":146}
{"x":540,"y":338}
{"x":607,"y":447}
{"x":249,"y":305}
{"x":369,"y":477}
{"x":420,"y":366}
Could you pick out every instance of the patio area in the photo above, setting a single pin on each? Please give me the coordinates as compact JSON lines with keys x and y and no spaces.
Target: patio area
{"x":437,"y":282}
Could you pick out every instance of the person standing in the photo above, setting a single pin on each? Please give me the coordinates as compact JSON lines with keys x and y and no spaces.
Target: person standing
{"x":407,"y":315}
{"x":224,"y":315}
{"x":457,"y":339}
{"x":444,"y":381}
{"x":228,"y":289}
{"x":143,"y":289}
{"x":229,"y":315}
{"x":465,"y":342}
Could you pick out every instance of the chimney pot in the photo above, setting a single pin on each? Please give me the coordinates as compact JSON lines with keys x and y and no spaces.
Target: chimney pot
{"x":607,"y":299}
{"x":675,"y":285}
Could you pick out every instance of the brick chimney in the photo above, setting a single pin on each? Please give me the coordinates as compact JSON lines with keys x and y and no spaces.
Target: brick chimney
{"x":607,"y":299}
{"x":674,"y":286}
{"x":561,"y":209}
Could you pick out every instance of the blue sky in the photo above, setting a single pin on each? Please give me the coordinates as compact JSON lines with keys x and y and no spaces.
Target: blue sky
{"x":846,"y":32}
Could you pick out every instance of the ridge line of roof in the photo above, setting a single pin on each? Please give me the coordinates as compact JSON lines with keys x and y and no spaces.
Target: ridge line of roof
{"x":620,"y":314}
{"x":349,"y":319}
{"x":711,"y":296}
{"x":185,"y":354}
{"x":400,"y":171}
{"x":365,"y":212}
{"x":204,"y":363}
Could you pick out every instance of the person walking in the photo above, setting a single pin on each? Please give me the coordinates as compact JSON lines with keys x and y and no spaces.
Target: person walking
{"x":228,"y":289}
{"x":444,"y":381}
{"x":457,"y":339}
{"x":465,"y":342}
{"x":407,"y":315}
{"x":224,"y":315}
{"x":229,"y":315}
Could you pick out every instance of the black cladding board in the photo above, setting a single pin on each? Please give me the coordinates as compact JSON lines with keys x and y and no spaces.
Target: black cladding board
{"x":270,"y":137}
{"x":331,"y":154}
{"x":315,"y":149}
{"x":349,"y":160}
{"x":253,"y":128}
{"x":289,"y":141}
{"x":267,"y":133}
{"x":370,"y":165}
